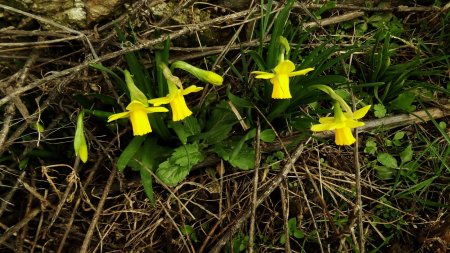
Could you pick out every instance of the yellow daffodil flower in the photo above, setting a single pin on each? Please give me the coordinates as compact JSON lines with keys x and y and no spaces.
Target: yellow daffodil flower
{"x":176,"y":100}
{"x":280,"y":79}
{"x":341,"y":124}
{"x":137,"y":112}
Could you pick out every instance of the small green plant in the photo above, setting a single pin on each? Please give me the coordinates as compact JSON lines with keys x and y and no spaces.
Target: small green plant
{"x":293,"y":230}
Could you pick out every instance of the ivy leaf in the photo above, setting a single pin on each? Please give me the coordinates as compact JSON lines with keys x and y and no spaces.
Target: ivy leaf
{"x":179,"y":164}
{"x":379,"y":110}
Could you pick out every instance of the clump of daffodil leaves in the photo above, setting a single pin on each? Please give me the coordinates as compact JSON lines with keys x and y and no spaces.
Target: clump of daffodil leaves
{"x":138,"y":108}
{"x":341,"y":123}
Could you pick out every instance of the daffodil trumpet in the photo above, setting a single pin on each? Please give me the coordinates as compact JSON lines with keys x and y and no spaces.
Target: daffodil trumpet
{"x":341,"y":124}
{"x":280,"y":78}
{"x":281,"y":73}
{"x":175,"y":98}
{"x":137,"y":112}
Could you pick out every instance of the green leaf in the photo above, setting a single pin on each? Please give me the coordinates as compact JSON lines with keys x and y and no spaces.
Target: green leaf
{"x":179,"y":164}
{"x":327,"y":6}
{"x":379,"y":110}
{"x":129,"y":152}
{"x":268,"y":135}
{"x":384,"y":173}
{"x":371,"y":147}
{"x":147,"y":182}
{"x":422,"y":185}
{"x":151,"y":153}
{"x":237,"y":101}
{"x":185,"y":128}
{"x":115,"y":77}
{"x":219,"y":124}
{"x":406,"y":154}
{"x":403,"y":102}
{"x":246,"y":158}
{"x":187,"y":230}
{"x":397,"y":138}
{"x":387,"y":160}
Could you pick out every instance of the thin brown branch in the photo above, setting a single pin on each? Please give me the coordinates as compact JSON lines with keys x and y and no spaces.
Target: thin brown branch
{"x":244,"y":215}
{"x":93,"y":224}
{"x":11,"y":231}
{"x":142,"y":45}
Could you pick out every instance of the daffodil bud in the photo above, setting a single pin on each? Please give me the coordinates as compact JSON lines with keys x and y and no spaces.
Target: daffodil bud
{"x":285,"y":43}
{"x":203,"y":75}
{"x":135,"y":92}
{"x":79,"y":142}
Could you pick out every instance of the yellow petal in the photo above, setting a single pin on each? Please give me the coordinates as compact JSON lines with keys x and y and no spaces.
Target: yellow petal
{"x":353,"y":123}
{"x":301,"y":72}
{"x":361,"y":112}
{"x":281,"y":87}
{"x":344,"y":136}
{"x":179,"y":108}
{"x":321,"y":127}
{"x":285,"y":67}
{"x":191,"y":89}
{"x":263,"y":75}
{"x":326,"y":120}
{"x":155,"y":109}
{"x":160,"y":101}
{"x":118,"y":116}
{"x":139,"y":122}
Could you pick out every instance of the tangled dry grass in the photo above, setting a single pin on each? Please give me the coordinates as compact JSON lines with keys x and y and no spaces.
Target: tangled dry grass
{"x":51,"y":204}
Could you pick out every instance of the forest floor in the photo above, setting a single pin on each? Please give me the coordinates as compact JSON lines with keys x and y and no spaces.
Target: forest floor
{"x":244,"y":172}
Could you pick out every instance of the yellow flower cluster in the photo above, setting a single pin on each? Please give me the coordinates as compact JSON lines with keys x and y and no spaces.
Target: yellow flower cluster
{"x":139,"y":107}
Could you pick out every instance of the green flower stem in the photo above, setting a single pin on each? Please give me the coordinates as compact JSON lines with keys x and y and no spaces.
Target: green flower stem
{"x":333,"y":95}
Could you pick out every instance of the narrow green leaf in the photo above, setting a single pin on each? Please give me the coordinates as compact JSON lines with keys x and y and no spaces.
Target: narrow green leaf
{"x":147,"y":182}
{"x":129,"y":152}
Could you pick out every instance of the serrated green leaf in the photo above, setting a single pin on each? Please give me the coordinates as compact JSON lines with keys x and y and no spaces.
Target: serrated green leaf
{"x":387,"y":160}
{"x":179,"y":164}
{"x":129,"y":152}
